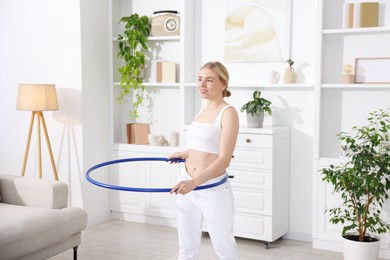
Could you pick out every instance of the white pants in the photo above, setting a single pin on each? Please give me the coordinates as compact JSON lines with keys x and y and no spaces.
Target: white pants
{"x":214,"y":207}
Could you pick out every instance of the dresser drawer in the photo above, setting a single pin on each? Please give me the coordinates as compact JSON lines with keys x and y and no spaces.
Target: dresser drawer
{"x":246,"y":140}
{"x":250,"y":178}
{"x":253,"y":158}
{"x":253,"y":226}
{"x":254,"y":202}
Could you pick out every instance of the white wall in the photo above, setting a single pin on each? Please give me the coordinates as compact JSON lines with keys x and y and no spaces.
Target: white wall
{"x":293,"y":107}
{"x":94,"y":50}
{"x":41,"y":43}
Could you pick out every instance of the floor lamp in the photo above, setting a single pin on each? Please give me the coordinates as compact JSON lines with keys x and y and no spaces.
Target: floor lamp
{"x":37,"y":98}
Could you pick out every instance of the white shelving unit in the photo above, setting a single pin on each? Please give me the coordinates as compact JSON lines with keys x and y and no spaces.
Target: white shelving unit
{"x":341,"y":106}
{"x":172,"y":99}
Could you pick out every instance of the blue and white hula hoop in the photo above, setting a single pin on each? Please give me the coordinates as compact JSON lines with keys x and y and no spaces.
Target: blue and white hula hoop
{"x":134,"y":189}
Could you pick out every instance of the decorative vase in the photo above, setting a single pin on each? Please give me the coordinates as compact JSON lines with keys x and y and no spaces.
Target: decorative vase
{"x":256,"y":120}
{"x":289,"y":75}
{"x":174,"y":138}
{"x":356,"y":250}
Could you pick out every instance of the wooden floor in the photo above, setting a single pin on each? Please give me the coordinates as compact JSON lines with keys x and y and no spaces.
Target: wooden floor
{"x":117,"y":240}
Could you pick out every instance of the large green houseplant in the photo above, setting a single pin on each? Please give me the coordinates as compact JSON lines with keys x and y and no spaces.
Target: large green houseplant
{"x":255,"y":109}
{"x":132,"y":49}
{"x":363,"y":180}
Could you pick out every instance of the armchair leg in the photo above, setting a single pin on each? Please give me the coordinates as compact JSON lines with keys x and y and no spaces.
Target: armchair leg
{"x":75,"y":252}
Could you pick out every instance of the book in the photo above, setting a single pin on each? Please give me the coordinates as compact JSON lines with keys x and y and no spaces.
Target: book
{"x":348,"y":15}
{"x":369,"y":12}
{"x":165,"y":71}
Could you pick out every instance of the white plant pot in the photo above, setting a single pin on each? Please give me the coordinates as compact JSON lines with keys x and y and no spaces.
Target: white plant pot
{"x":255,"y":121}
{"x":354,"y":250}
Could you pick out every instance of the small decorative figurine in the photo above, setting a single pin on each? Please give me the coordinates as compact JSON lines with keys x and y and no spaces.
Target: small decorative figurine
{"x":274,"y":77}
{"x":158,"y":140}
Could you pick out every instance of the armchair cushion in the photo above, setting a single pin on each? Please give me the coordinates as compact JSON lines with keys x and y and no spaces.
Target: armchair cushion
{"x":28,"y":229}
{"x":24,"y":191}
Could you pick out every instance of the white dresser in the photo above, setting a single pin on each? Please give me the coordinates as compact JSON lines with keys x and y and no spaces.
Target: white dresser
{"x":259,"y":175}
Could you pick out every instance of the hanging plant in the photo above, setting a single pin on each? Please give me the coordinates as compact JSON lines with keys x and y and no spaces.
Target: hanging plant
{"x":132,"y":49}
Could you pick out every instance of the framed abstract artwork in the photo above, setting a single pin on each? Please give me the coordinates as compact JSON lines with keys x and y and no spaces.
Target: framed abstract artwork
{"x":257,"y":30}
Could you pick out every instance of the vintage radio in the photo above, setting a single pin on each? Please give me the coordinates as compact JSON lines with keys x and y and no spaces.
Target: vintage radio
{"x":165,"y":23}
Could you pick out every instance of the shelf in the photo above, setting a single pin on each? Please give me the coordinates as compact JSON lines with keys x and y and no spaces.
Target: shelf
{"x":244,"y":86}
{"x":356,"y":86}
{"x":190,"y":84}
{"x":164,"y":38}
{"x":326,"y":161}
{"x":156,"y":38}
{"x":156,"y":84}
{"x":271,"y":86}
{"x":162,"y":85}
{"x":351,"y":31}
{"x":248,"y":86}
{"x":145,"y":148}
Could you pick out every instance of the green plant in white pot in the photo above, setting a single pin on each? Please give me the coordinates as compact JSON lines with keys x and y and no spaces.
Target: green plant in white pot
{"x":132,"y":49}
{"x":363,"y":182}
{"x":255,"y":110}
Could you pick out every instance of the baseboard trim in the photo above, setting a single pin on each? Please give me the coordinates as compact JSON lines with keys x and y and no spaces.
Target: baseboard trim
{"x":305,"y":237}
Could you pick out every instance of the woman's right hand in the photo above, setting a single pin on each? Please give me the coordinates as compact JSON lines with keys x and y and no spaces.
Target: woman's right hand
{"x":178,"y":155}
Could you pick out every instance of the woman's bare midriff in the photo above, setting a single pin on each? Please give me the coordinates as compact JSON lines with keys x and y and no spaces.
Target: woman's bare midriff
{"x":198,"y":161}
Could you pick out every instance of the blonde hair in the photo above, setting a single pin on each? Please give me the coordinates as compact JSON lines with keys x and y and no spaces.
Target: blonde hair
{"x":222,"y":72}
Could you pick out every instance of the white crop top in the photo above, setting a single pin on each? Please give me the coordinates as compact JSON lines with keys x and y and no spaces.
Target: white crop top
{"x":205,"y":137}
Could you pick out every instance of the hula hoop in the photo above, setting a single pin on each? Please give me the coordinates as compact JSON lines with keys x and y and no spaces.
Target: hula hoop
{"x":134,"y":189}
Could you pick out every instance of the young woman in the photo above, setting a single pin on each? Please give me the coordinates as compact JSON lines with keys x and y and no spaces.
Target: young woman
{"x":211,"y":140}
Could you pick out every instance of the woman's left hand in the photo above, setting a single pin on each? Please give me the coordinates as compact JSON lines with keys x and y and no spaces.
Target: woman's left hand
{"x":184,"y":187}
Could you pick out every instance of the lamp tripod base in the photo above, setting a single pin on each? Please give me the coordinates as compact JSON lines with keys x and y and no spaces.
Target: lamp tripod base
{"x":40,"y":120}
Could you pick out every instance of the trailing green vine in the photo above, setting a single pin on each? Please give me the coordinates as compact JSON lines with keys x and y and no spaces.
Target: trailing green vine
{"x":132,"y":49}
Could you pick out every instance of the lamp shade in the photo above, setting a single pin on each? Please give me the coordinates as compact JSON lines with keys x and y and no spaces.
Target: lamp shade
{"x":37,"y":97}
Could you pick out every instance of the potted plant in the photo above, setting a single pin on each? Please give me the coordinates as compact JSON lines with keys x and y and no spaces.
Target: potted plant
{"x":255,"y":109}
{"x":132,"y":49}
{"x":363,"y":182}
{"x":289,"y":74}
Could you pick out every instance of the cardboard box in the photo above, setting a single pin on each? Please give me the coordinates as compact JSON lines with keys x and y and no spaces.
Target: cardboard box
{"x":348,"y":15}
{"x":165,"y":72}
{"x":137,"y":133}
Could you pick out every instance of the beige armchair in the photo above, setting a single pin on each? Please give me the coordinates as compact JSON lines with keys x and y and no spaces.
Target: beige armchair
{"x":35,"y":220}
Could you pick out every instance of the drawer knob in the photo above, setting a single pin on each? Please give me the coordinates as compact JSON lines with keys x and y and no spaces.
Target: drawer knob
{"x":248,"y":141}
